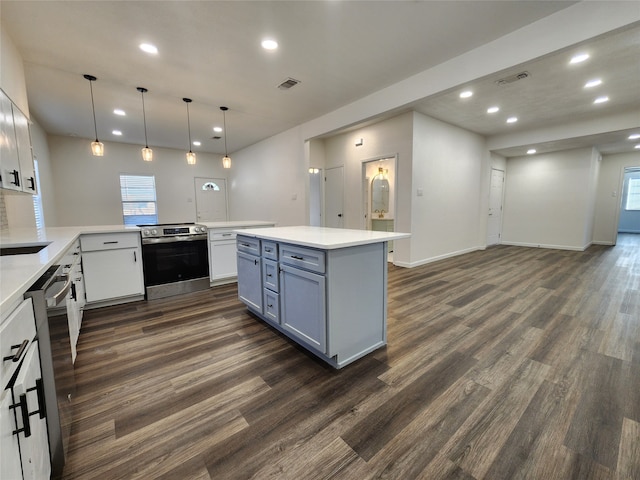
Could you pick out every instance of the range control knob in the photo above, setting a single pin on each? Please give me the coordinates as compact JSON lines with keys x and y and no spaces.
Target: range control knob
{"x":145,"y":232}
{"x":154,"y":232}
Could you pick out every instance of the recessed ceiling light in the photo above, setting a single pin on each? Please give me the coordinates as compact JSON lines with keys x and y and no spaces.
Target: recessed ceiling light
{"x":466,"y":94}
{"x":593,"y":83}
{"x":512,"y":119}
{"x":269,"y":44}
{"x":120,"y":112}
{"x":601,"y":100}
{"x":493,"y":109}
{"x":637,"y":146}
{"x":117,"y":132}
{"x":531,"y":151}
{"x":581,"y":57}
{"x":147,"y":47}
{"x":217,"y":129}
{"x":634,"y":136}
{"x":197,"y":143}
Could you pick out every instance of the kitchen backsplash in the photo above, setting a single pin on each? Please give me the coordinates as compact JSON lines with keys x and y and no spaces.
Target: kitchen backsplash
{"x":4,"y":222}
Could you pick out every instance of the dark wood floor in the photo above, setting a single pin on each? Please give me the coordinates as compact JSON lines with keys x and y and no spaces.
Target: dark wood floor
{"x":509,"y":363}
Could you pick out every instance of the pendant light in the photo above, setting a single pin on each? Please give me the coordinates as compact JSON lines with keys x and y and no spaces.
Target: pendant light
{"x":226,"y":160}
{"x":147,"y":153}
{"x":97,"y":148}
{"x":191,"y":157}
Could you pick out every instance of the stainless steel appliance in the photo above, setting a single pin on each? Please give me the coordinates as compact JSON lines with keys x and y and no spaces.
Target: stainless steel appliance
{"x":175,"y":259}
{"x":49,"y":293}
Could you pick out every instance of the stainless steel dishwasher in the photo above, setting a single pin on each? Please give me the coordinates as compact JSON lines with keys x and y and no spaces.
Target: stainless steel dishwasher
{"x":50,"y":291}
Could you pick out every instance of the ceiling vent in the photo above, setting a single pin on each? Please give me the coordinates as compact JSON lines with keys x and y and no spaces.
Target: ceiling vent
{"x":513,"y":78}
{"x":288,"y":83}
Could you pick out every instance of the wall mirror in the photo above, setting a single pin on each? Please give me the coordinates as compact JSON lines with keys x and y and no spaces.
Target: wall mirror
{"x":380,"y":193}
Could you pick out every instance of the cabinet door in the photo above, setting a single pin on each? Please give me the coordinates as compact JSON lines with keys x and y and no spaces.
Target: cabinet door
{"x":112,"y":274}
{"x":34,"y":449}
{"x":302,"y":306}
{"x":25,"y":155}
{"x":270,"y":277}
{"x":9,"y":448}
{"x":222,"y":256}
{"x":250,"y":280}
{"x":9,"y":163}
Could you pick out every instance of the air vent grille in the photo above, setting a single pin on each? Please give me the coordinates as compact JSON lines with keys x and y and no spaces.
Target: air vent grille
{"x":288,"y":83}
{"x":513,"y":78}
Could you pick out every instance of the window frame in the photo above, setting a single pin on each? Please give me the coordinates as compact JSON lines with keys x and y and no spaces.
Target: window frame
{"x":139,"y":218}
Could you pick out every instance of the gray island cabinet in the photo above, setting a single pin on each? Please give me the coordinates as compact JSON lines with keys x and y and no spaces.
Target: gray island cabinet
{"x":324,"y":288}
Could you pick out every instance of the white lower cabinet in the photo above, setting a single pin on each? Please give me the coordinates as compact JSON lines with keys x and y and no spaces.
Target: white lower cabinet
{"x":250,"y":280}
{"x":222,"y":258}
{"x":302,"y":306}
{"x":112,"y":266}
{"x":332,"y":302}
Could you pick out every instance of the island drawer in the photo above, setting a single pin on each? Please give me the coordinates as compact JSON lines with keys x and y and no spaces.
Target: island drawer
{"x":270,"y":250}
{"x":271,"y":306}
{"x":301,"y":257}
{"x":248,"y":244}
{"x":109,"y":241}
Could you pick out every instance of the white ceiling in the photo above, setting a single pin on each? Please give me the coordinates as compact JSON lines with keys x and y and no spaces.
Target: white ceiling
{"x":340,"y":51}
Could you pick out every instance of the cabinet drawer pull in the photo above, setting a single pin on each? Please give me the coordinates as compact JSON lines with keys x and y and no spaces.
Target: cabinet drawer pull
{"x":268,"y":250}
{"x":245,"y":245}
{"x":297,"y":257}
{"x":269,"y":275}
{"x":42,"y":407}
{"x":255,"y":262}
{"x":270,"y":306}
{"x":21,"y":348}
{"x":26,"y":426}
{"x":112,"y":242}
{"x":226,"y":234}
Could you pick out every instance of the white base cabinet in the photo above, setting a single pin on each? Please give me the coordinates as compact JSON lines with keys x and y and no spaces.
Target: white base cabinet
{"x":112,"y":266}
{"x":332,"y":302}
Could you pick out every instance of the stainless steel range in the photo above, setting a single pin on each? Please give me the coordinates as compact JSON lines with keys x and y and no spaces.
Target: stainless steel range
{"x":175,"y":259}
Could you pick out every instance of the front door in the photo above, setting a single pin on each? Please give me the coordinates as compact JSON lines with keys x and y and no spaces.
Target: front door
{"x":334,"y":197}
{"x":211,"y":199}
{"x":494,"y":223}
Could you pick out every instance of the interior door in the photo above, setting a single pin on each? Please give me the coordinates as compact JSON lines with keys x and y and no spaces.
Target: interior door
{"x":211,"y":199}
{"x":494,"y":222}
{"x":334,"y":197}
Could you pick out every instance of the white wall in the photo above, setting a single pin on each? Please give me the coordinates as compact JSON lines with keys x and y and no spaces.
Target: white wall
{"x":269,"y":181}
{"x":87,"y":188}
{"x":383,"y":139}
{"x":447,"y":166}
{"x":609,"y":193}
{"x":548,"y":200}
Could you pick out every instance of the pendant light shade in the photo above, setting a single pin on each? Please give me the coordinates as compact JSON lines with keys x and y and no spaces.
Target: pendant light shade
{"x":147,"y":153}
{"x":191,"y":157}
{"x":226,"y":160}
{"x":97,"y":148}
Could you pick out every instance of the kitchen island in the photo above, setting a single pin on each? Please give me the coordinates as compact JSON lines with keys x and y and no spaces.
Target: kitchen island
{"x":325,"y":288}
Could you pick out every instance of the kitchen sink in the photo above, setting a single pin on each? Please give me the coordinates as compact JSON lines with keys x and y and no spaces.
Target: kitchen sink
{"x":22,"y":249}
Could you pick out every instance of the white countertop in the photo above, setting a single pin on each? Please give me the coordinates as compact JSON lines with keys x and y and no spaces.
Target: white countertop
{"x":322,"y":237}
{"x":19,"y":272}
{"x":236,"y":224}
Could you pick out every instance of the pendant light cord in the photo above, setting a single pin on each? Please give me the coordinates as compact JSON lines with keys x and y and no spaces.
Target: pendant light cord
{"x":93,"y":107}
{"x":189,"y":126}
{"x":224,"y":121}
{"x":144,"y":119}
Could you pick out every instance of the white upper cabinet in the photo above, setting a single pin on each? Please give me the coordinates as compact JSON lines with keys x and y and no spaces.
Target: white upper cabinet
{"x":16,"y":157}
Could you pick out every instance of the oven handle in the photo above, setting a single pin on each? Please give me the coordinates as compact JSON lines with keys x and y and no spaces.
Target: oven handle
{"x":174,"y":239}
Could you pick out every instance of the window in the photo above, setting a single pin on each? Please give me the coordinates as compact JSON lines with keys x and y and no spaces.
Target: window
{"x":633,"y":194}
{"x":139,"y":206}
{"x":37,"y":199}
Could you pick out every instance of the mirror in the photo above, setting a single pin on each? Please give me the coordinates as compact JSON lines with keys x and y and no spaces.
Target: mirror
{"x":380,"y":193}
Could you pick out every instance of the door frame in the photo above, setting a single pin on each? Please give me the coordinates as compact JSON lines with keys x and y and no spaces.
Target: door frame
{"x":366,"y":190}
{"x":324,"y":194}
{"x":616,"y":225}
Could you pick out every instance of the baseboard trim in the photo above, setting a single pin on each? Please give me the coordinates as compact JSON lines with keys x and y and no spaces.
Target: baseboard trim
{"x":438,"y":258}
{"x":548,"y":246}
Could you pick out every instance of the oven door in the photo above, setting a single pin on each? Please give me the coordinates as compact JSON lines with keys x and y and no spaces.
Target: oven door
{"x":174,"y":259}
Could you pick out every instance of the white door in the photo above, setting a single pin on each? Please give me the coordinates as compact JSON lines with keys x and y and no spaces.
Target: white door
{"x":334,"y":197}
{"x":211,"y":199}
{"x":494,"y":222}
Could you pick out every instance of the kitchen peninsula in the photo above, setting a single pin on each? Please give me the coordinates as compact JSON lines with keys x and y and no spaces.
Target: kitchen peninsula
{"x":325,"y":288}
